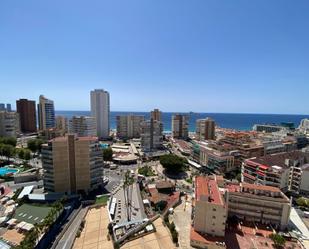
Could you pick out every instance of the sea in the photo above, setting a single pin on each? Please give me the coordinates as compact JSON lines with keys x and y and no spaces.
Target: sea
{"x":237,"y":121}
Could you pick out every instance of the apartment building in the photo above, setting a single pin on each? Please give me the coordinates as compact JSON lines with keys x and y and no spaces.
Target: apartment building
{"x":27,"y":115}
{"x":257,"y":203}
{"x":100,"y":110}
{"x":217,"y":161}
{"x":151,"y":135}
{"x":210,"y":211}
{"x":72,"y":164}
{"x":46,"y":113}
{"x":62,"y":124}
{"x":83,"y":126}
{"x":156,"y":115}
{"x":9,"y":124}
{"x":205,"y":129}
{"x":280,"y":170}
{"x":129,"y":126}
{"x":180,"y":126}
{"x":216,"y":200}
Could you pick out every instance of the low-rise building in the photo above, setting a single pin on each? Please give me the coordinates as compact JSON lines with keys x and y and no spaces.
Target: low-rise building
{"x":282,"y":170}
{"x":257,"y":203}
{"x":217,"y":161}
{"x":268,"y":128}
{"x":216,"y":200}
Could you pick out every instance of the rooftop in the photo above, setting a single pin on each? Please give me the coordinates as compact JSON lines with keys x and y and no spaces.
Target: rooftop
{"x":260,"y":187}
{"x":207,"y":187}
{"x":277,"y":159}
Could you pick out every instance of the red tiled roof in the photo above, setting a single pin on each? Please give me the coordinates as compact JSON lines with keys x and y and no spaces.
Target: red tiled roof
{"x":249,"y":176}
{"x":260,"y":187}
{"x":206,"y":239}
{"x":205,"y":186}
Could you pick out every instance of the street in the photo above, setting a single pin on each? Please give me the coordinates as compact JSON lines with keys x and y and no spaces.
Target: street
{"x":182,"y":220}
{"x":67,"y":240}
{"x":116,"y":176}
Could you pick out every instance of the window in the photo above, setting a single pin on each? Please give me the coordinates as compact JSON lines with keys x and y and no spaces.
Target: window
{"x":214,"y":217}
{"x":214,"y":209}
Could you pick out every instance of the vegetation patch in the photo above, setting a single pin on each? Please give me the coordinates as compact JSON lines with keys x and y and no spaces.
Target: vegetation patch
{"x":146,"y":171}
{"x":102,"y":200}
{"x":173,"y":163}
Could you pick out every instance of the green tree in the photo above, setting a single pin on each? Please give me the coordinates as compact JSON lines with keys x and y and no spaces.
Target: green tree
{"x":21,"y":153}
{"x":27,"y":154}
{"x":302,"y":202}
{"x":35,"y":144}
{"x":278,"y":240}
{"x":7,"y":150}
{"x":173,"y":163}
{"x":8,"y":140}
{"x":108,"y":154}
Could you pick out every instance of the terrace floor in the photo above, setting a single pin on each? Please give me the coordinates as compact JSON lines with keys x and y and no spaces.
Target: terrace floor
{"x":94,"y":234}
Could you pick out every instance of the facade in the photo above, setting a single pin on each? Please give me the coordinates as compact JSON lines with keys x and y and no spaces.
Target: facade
{"x":129,"y":126}
{"x":72,"y":164}
{"x":205,"y":129}
{"x":156,"y":115}
{"x":27,"y":115}
{"x":216,"y":201}
{"x":282,"y":170}
{"x":217,"y":161}
{"x":100,"y":110}
{"x":304,"y":126}
{"x":151,"y":135}
{"x":268,"y":128}
{"x":180,"y":126}
{"x":83,"y":126}
{"x":62,"y":124}
{"x":46,"y":113}
{"x":210,"y":211}
{"x":256,"y":203}
{"x":9,"y":124}
{"x":7,"y":108}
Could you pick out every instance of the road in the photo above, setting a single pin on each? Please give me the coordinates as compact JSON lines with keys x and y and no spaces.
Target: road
{"x":67,"y":240}
{"x":182,"y":219}
{"x":116,"y":176}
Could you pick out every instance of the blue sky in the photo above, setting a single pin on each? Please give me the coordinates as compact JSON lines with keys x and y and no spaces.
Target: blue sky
{"x":193,"y":55}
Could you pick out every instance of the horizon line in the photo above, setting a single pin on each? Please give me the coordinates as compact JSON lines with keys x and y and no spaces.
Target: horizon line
{"x":188,"y":112}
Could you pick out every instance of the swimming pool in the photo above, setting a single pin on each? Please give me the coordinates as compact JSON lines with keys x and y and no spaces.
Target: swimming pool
{"x":5,"y":170}
{"x":104,"y":146}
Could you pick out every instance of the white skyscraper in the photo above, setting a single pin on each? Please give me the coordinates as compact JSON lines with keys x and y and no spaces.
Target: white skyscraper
{"x":100,"y":110}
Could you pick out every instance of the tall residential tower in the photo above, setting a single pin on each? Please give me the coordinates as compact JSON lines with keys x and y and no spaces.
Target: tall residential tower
{"x":27,"y":115}
{"x":46,"y":113}
{"x":180,"y":126}
{"x":205,"y":129}
{"x":129,"y":126}
{"x":100,"y":109}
